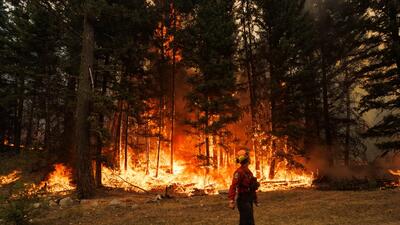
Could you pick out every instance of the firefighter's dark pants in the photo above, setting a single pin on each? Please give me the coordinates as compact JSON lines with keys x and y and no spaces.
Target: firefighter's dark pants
{"x":245,"y":206}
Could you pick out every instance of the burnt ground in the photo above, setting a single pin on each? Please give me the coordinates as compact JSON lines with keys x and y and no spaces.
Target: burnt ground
{"x":303,"y":207}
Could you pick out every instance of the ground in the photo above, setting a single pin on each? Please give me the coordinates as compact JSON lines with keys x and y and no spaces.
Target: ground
{"x":113,"y":207}
{"x":303,"y":207}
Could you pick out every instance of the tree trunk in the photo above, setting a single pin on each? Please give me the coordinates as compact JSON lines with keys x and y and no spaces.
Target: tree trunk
{"x":147,"y":151}
{"x":47,"y":127}
{"x":126,"y":137}
{"x":20,"y":85}
{"x":215,"y":152}
{"x":173,"y":93}
{"x":69,"y":120}
{"x":29,"y":134}
{"x":207,"y":141}
{"x":99,"y":146}
{"x":271,"y":174}
{"x":348,"y":118}
{"x":327,"y":123}
{"x":85,"y":179}
{"x":221,"y":155}
{"x":273,"y":101}
{"x":117,"y":140}
{"x":249,"y":64}
{"x":160,"y":127}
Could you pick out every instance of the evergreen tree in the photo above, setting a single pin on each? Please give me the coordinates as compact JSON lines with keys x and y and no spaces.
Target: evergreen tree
{"x":382,"y":73}
{"x":211,"y":52}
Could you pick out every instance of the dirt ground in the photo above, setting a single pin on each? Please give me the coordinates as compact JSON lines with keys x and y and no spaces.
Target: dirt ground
{"x":302,"y":207}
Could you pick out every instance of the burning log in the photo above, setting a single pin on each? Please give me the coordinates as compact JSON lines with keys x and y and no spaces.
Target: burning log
{"x":132,"y":185}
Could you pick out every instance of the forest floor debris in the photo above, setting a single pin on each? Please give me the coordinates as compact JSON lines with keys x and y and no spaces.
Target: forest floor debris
{"x":311,"y":207}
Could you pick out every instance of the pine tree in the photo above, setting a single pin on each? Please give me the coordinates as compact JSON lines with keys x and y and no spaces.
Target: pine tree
{"x":285,"y":40}
{"x":211,"y":52}
{"x":382,"y":73}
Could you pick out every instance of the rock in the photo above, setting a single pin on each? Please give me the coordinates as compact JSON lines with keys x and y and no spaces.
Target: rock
{"x":158,"y":197}
{"x":65,"y":202}
{"x":115,"y":202}
{"x":36,"y":205}
{"x":52,"y":203}
{"x":223,"y":192}
{"x":134,"y":206}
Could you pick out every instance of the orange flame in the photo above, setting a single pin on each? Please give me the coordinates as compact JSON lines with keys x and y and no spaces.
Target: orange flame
{"x":59,"y":179}
{"x":10,"y":178}
{"x":395,"y":172}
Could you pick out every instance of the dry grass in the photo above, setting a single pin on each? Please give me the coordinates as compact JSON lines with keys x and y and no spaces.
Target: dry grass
{"x":303,"y":207}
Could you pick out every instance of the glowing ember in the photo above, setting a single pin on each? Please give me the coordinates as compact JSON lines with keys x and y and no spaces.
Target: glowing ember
{"x":396,"y":173}
{"x":10,"y":178}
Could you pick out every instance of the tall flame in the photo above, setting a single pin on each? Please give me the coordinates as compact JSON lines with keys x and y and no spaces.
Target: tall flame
{"x":59,"y":179}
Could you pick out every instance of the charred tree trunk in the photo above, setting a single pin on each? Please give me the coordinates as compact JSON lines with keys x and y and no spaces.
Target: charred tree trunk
{"x":221,"y":156}
{"x":160,"y":128}
{"x":207,"y":141}
{"x":249,"y":65}
{"x":161,"y":80}
{"x":69,"y":120}
{"x":147,"y":150}
{"x":29,"y":134}
{"x":117,"y":140}
{"x":274,"y":121}
{"x":215,"y":152}
{"x":20,"y":85}
{"x":173,"y":94}
{"x":99,"y":149}
{"x":47,"y":126}
{"x":348,"y":118}
{"x":126,"y":137}
{"x":326,"y":115}
{"x":85,"y":179}
{"x":99,"y":141}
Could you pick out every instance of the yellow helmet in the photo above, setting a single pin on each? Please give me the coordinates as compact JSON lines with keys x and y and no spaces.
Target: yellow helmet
{"x":241,"y":156}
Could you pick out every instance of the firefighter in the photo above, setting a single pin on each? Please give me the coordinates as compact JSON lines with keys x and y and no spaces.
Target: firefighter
{"x":244,"y":185}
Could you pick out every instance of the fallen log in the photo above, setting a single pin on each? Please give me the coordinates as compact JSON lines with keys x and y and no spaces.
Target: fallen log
{"x":280,"y":182}
{"x":135,"y":186}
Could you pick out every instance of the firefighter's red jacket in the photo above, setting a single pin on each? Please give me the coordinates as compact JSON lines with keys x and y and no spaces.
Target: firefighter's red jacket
{"x":241,"y":182}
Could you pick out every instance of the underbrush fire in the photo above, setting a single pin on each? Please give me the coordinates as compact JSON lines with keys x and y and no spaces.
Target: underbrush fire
{"x":188,"y":178}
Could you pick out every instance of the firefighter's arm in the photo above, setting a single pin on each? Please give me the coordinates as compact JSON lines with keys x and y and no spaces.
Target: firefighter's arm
{"x":232,"y":190}
{"x":255,"y":199}
{"x":234,"y":185}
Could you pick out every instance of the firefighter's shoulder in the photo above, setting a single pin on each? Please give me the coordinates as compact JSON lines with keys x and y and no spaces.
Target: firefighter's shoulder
{"x":237,"y":173}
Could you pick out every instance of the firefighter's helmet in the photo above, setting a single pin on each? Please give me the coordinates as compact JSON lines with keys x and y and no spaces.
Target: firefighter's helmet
{"x":241,"y":156}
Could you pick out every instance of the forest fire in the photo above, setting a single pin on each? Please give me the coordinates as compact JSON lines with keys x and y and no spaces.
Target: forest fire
{"x":188,"y":178}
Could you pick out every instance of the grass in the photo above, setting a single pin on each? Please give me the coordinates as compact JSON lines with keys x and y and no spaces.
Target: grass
{"x":297,"y":207}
